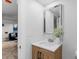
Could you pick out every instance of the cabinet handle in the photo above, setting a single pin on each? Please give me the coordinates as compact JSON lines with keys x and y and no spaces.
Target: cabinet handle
{"x":38,"y":55}
{"x":20,"y":46}
{"x":42,"y":56}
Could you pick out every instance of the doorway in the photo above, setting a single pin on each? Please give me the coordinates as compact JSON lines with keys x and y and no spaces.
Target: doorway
{"x":9,"y":29}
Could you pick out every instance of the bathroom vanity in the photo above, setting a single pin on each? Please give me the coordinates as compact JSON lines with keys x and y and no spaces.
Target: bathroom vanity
{"x":46,"y":50}
{"x":53,"y":25}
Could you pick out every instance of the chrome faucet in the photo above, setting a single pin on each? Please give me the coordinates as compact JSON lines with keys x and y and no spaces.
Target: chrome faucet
{"x":50,"y":40}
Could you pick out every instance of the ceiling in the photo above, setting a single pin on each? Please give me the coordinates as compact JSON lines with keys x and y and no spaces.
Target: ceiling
{"x":10,"y":11}
{"x":45,"y":2}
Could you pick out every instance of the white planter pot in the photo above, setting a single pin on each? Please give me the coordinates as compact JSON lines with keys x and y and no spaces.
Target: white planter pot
{"x":57,"y":40}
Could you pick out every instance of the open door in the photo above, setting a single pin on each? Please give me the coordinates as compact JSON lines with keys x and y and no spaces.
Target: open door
{"x":9,"y":29}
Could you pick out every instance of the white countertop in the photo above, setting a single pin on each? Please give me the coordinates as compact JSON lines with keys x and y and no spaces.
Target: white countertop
{"x":51,"y":46}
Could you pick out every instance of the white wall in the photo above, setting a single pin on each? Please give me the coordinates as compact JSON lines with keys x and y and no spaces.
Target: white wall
{"x":70,"y":29}
{"x":30,"y":22}
{"x":6,"y":28}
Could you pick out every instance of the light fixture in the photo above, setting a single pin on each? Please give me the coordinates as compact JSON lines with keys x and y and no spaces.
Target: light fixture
{"x":8,"y":1}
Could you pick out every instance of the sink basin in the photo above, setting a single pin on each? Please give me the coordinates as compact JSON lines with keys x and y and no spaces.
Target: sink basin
{"x":47,"y":43}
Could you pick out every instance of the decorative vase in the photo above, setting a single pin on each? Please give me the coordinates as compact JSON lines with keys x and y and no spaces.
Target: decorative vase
{"x":58,"y":40}
{"x":61,"y":38}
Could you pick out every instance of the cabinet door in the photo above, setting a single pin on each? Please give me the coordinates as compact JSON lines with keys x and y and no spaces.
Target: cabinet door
{"x":48,"y":56}
{"x":58,"y":53}
{"x":44,"y":54}
{"x":34,"y":52}
{"x":37,"y":53}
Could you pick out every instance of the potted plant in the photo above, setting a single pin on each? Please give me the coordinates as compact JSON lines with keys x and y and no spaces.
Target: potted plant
{"x":58,"y":32}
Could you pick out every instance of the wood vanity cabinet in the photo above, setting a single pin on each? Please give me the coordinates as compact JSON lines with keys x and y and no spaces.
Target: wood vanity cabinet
{"x":40,"y":53}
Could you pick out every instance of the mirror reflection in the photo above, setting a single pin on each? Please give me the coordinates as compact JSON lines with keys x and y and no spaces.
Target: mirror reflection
{"x":52,"y":18}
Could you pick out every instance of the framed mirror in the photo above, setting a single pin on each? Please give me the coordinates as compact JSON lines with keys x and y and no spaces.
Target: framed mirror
{"x":52,"y":18}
